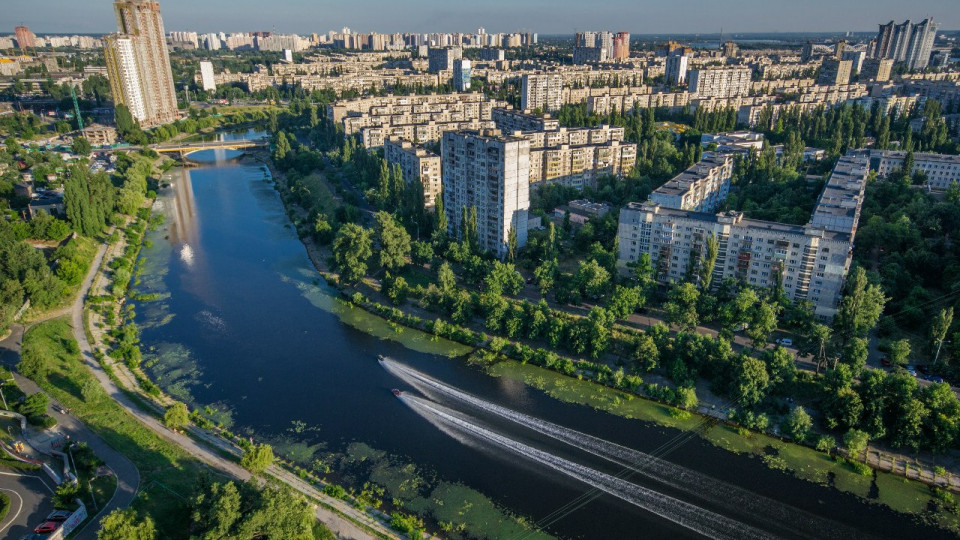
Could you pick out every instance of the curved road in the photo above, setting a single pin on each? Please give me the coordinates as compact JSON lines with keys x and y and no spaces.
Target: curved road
{"x":128,"y":477}
{"x":30,"y":502}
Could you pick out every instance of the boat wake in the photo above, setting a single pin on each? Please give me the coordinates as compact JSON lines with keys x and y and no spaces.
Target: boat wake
{"x":699,"y":520}
{"x":772,"y":514}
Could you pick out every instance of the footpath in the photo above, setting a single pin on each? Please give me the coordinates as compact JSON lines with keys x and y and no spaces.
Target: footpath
{"x":343,"y":519}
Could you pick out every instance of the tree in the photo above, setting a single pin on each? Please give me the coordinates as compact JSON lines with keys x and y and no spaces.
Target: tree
{"x":177,"y":416}
{"x":855,"y":442}
{"x":938,"y":329}
{"x":860,"y":307}
{"x":81,"y":147}
{"x":900,"y":352}
{"x":396,"y":288}
{"x":124,"y":524}
{"x":35,"y":405}
{"x":322,"y":230}
{"x":351,"y":250}
{"x":512,"y":245}
{"x":33,"y":365}
{"x":591,"y":279}
{"x":545,"y":275}
{"x":709,"y":261}
{"x":780,"y":366}
{"x":645,"y":353}
{"x":257,"y":458}
{"x":421,"y":252}
{"x":446,"y":279}
{"x":750,"y":382}
{"x":503,"y":277}
{"x":687,"y":397}
{"x":762,"y":324}
{"x":281,"y":147}
{"x":855,"y":354}
{"x":797,"y":425}
{"x":624,"y":301}
{"x":643,"y":271}
{"x":394,"y":242}
{"x":217,"y":510}
{"x":681,"y":306}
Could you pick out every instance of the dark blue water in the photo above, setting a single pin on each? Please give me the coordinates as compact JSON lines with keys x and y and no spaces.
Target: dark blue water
{"x":250,"y":329}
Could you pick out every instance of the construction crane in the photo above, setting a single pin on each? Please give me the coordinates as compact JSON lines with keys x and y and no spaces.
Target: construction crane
{"x":76,"y":107}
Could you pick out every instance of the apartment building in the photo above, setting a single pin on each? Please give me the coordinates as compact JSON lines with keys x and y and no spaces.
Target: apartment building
{"x":510,"y":120}
{"x":488,"y":172}
{"x":721,"y":82}
{"x":907,"y":43}
{"x":542,"y":91}
{"x":462,"y":71}
{"x":835,"y":72}
{"x":810,"y":261}
{"x":415,"y":118}
{"x":941,"y":170}
{"x":416,"y":163}
{"x":701,"y":188}
{"x":208,"y":80}
{"x":138,"y":64}
{"x":876,"y":69}
{"x":442,"y":59}
{"x":676,"y":68}
{"x":578,"y":157}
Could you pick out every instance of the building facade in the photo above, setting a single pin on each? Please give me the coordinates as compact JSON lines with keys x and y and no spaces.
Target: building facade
{"x":835,"y":72}
{"x":510,"y":120}
{"x":701,"y":188}
{"x":542,"y":91}
{"x":810,"y":262}
{"x":907,"y":43}
{"x":487,"y":173}
{"x":442,"y":59}
{"x":25,"y":38}
{"x":207,"y":78}
{"x":720,"y":82}
{"x":942,"y":170}
{"x":462,"y":71}
{"x":416,"y":163}
{"x":140,"y":33}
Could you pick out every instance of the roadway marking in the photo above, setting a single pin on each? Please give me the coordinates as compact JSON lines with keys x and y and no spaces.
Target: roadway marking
{"x":14,"y":518}
{"x":40,"y":478}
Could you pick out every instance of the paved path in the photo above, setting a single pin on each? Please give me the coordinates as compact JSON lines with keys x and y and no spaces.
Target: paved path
{"x":128,"y":477}
{"x":30,"y":502}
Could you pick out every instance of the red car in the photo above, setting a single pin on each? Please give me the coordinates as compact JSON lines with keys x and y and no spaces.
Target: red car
{"x":47,"y":527}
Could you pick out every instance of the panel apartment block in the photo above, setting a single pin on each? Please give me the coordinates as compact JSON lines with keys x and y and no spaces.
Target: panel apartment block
{"x":701,"y":188}
{"x":941,"y":170}
{"x":416,"y":163}
{"x":811,"y":261}
{"x":542,"y":91}
{"x":720,"y":82}
{"x":490,"y":172}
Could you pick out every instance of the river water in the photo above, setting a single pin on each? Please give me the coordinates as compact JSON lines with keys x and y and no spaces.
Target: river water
{"x":246,"y":326}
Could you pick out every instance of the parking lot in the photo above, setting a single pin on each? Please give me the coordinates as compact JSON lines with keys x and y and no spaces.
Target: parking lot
{"x":31,"y":499}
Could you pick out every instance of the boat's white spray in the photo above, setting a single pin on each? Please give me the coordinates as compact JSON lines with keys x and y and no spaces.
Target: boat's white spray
{"x":773,"y":514}
{"x":699,"y":520}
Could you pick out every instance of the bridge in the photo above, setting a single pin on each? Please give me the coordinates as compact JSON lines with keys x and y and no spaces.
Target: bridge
{"x":187,"y":148}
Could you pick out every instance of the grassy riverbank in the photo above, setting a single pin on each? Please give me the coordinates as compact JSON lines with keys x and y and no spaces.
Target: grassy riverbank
{"x":167,"y":473}
{"x":876,"y":487}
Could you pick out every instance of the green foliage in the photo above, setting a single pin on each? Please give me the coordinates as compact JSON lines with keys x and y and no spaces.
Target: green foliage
{"x":177,"y":416}
{"x":351,"y":250}
{"x":247,"y":513}
{"x":81,"y":147}
{"x":125,"y":524}
{"x":257,"y":458}
{"x":35,"y":405}
{"x":681,"y":306}
{"x":393,"y":241}
{"x":89,"y":199}
{"x":65,"y":495}
{"x":750,"y":381}
{"x":797,"y":424}
{"x":855,"y":441}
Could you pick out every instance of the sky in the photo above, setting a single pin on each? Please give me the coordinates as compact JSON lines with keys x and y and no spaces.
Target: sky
{"x":542,"y":16}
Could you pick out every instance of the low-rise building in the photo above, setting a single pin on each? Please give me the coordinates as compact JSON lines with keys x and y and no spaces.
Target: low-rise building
{"x":734,"y":142}
{"x":99,"y":135}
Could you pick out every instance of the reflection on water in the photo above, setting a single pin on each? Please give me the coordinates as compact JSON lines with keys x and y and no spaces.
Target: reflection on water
{"x":251,"y":330}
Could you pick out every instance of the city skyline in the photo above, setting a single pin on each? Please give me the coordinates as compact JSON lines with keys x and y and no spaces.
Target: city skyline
{"x":560,"y":17}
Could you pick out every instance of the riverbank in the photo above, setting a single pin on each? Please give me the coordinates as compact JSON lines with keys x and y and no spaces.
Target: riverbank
{"x":923,"y":494}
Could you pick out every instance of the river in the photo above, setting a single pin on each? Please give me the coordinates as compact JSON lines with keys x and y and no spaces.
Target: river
{"x":245,"y":325}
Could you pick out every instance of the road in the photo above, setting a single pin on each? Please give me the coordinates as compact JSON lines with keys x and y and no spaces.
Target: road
{"x":30,"y":502}
{"x":128,"y":477}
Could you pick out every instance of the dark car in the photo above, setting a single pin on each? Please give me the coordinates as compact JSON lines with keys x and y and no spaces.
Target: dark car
{"x":884,"y":361}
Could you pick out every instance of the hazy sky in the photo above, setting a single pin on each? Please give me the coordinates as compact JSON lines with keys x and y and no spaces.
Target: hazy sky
{"x":543,"y":16}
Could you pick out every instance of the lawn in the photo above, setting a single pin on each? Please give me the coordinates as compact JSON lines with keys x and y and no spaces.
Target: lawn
{"x":159,"y":461}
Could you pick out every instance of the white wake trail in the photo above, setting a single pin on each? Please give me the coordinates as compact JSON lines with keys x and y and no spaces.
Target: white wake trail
{"x":697,"y":519}
{"x":732,"y":498}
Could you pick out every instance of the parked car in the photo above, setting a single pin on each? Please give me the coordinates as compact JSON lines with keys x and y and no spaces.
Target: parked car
{"x":47,"y":527}
{"x":741,"y":327}
{"x":911,"y":371}
{"x":785,"y":342}
{"x":884,"y":361}
{"x":936,"y":379}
